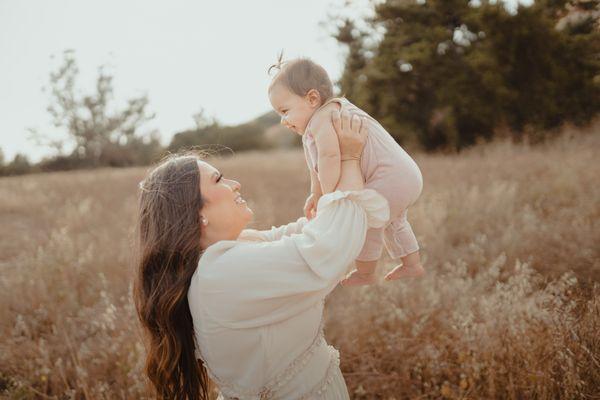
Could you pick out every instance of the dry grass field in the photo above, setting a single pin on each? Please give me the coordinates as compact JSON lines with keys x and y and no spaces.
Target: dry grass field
{"x":509,"y":308}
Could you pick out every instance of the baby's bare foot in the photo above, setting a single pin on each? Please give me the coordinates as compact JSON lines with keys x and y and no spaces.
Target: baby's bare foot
{"x":408,"y":271}
{"x":357,"y":278}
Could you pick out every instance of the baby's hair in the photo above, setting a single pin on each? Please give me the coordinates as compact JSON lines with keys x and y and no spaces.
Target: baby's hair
{"x":300,"y":75}
{"x":278,"y":65}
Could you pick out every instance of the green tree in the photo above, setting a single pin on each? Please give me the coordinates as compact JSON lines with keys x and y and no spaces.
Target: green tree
{"x":353,"y":39}
{"x":549,"y":72}
{"x":210,"y":134}
{"x":99,"y":132}
{"x":447,"y":72}
{"x":18,"y":166}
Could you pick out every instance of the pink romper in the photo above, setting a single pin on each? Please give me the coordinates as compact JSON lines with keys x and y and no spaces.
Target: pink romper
{"x":387,"y":168}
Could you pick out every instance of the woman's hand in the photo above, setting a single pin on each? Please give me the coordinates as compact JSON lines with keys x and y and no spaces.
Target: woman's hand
{"x":352,"y":134}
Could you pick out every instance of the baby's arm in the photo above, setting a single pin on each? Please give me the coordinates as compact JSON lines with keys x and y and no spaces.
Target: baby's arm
{"x":315,"y":185}
{"x":328,"y":149}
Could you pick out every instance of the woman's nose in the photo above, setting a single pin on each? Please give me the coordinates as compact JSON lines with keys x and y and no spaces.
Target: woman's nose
{"x":284,"y":121}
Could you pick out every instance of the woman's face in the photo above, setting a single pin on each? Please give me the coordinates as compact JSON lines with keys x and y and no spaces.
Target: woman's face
{"x":225,"y":211}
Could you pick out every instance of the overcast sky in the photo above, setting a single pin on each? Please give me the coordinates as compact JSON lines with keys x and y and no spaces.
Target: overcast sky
{"x":184,"y":54}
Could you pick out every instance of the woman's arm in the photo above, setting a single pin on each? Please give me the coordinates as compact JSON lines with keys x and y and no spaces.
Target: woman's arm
{"x":340,"y":140}
{"x":352,"y":136}
{"x":254,"y":284}
{"x":275,"y":233}
{"x":328,"y":150}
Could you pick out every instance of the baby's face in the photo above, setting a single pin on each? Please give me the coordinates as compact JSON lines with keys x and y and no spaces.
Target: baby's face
{"x":295,"y":111}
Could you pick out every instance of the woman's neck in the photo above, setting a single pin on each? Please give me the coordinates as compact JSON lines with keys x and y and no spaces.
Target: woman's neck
{"x":211,"y":237}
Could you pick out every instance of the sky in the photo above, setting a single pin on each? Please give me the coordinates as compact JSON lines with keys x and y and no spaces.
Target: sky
{"x":185,"y":55}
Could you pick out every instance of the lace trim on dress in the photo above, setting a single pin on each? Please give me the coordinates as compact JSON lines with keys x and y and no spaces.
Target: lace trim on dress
{"x":230,"y":391}
{"x":317,"y":392}
{"x":321,"y":388}
{"x":297,"y":365}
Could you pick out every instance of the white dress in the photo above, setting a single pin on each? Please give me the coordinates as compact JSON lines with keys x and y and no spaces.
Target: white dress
{"x":257,"y":305}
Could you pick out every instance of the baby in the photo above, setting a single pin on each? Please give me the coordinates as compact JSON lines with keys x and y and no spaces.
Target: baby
{"x":302,"y":94}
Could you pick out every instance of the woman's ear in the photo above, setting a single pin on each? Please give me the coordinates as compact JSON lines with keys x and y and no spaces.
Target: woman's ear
{"x":314,"y":98}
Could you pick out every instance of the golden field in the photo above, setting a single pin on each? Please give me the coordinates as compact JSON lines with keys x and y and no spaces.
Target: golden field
{"x":509,"y":308}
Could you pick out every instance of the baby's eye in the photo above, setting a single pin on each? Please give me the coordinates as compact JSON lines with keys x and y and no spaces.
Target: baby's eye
{"x":219,"y":177}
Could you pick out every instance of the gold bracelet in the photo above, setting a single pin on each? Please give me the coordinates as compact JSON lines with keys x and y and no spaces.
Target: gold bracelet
{"x":351,"y":158}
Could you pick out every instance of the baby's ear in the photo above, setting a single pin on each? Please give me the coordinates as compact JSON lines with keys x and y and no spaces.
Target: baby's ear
{"x":314,"y":97}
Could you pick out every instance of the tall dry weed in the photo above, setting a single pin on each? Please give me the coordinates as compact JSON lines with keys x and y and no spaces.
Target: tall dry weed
{"x":509,"y":308}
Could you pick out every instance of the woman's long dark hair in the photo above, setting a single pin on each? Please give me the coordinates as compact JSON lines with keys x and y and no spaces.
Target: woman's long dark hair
{"x":168,"y":235}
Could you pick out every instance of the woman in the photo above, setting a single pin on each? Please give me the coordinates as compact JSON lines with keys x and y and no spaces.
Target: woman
{"x":248,"y":304}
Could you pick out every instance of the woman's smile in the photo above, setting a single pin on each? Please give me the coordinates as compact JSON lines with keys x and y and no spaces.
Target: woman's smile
{"x":240,"y":200}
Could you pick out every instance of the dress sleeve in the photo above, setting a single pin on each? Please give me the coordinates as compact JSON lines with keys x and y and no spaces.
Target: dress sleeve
{"x":259,"y":283}
{"x":275,"y":233}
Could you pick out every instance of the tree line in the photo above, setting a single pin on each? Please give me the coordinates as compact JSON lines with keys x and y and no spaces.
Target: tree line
{"x":447,"y":73}
{"x":438,"y":74}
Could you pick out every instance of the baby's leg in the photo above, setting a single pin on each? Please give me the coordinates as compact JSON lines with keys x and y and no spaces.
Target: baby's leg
{"x":402,"y":243}
{"x":366,"y":262}
{"x":364,"y":274}
{"x":411,"y":267}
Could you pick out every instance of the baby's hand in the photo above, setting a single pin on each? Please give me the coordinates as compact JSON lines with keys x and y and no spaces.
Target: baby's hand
{"x":310,"y":206}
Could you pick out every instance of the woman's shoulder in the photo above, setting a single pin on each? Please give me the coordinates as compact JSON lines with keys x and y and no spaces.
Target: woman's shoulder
{"x":212,"y":259}
{"x":227,"y":257}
